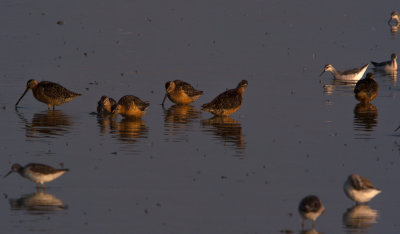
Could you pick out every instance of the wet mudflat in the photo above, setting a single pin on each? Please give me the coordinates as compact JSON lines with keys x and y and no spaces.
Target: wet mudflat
{"x":181,"y":170}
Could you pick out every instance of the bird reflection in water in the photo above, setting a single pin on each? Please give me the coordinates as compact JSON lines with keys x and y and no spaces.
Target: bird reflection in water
{"x":38,"y":203}
{"x":309,"y":231}
{"x":339,"y":86}
{"x":359,"y":218}
{"x":227,"y":129}
{"x":365,"y":117}
{"x":126,"y":129}
{"x":178,"y":121}
{"x":48,"y":123}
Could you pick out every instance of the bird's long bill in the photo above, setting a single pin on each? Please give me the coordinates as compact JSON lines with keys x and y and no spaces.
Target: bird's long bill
{"x":322,"y":73}
{"x":164,"y":99}
{"x":8,"y":174}
{"x":26,"y":90}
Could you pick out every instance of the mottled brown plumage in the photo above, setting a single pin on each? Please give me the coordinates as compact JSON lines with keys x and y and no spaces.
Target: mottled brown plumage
{"x":105,"y":104}
{"x":130,"y":106}
{"x":227,"y":102}
{"x":310,"y":207}
{"x":181,"y":92}
{"x":366,"y":89}
{"x":48,"y":92}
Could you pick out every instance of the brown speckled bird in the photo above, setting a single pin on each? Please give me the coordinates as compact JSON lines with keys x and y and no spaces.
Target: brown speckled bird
{"x":130,"y":106}
{"x":48,"y":92}
{"x":181,"y":92}
{"x":366,"y":89}
{"x":311,"y":208}
{"x":105,"y":104}
{"x":227,"y":102}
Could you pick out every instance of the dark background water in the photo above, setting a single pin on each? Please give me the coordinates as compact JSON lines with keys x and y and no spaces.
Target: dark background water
{"x":179,"y":170}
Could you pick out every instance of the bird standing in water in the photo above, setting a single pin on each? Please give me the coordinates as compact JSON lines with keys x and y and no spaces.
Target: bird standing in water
{"x":359,"y":189}
{"x":181,"y":92}
{"x":48,"y":92}
{"x":37,"y":173}
{"x":366,"y":89}
{"x":311,"y":208}
{"x":105,"y":104}
{"x":130,"y":106}
{"x":227,"y":102}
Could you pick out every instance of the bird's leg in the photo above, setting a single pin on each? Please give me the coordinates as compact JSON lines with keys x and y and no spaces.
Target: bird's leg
{"x":49,"y":106}
{"x":313,"y":224}
{"x":37,"y":187}
{"x":302,"y":224}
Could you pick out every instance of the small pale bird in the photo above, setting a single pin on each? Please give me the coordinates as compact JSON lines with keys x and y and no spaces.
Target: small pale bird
{"x":366,"y":89}
{"x":130,"y":106}
{"x":105,"y":104}
{"x":387,"y":66}
{"x":37,"y":173}
{"x":227,"y":102}
{"x":181,"y":92}
{"x":48,"y":92}
{"x":310,"y":208}
{"x":359,"y":189}
{"x":350,"y":75}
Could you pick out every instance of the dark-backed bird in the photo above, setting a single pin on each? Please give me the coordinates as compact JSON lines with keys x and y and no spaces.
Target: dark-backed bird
{"x":48,"y":92}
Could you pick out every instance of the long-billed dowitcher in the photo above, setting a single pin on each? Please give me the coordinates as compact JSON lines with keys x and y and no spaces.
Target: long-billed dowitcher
{"x":354,"y":74}
{"x":387,"y":66}
{"x":227,"y":102}
{"x":394,"y":16}
{"x":48,"y":92}
{"x":105,"y":104}
{"x":366,"y":89}
{"x":359,"y":189}
{"x":37,"y":173}
{"x":181,"y":92}
{"x":310,"y":208}
{"x":130,"y":106}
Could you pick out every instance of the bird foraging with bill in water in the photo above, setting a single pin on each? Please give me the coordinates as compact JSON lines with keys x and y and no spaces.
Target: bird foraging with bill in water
{"x":49,"y":93}
{"x":366,"y":89}
{"x":130,"y":106}
{"x":180,"y":92}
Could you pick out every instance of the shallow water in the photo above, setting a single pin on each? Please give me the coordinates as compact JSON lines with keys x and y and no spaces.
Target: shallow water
{"x":178,"y":169}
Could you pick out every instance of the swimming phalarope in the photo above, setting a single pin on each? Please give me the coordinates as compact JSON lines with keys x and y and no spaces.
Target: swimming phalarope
{"x":359,"y":189}
{"x":311,"y":208}
{"x":387,"y":66}
{"x":354,"y":74}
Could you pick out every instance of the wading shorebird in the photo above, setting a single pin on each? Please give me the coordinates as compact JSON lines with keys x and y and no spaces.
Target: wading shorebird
{"x":366,"y":89}
{"x":105,"y":104}
{"x":359,"y":189}
{"x":354,"y":74}
{"x":48,"y":92}
{"x":130,"y":106}
{"x":394,"y":16}
{"x":37,"y":173}
{"x":181,"y":92}
{"x":227,"y":102}
{"x":387,"y":66}
{"x":310,"y":208}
